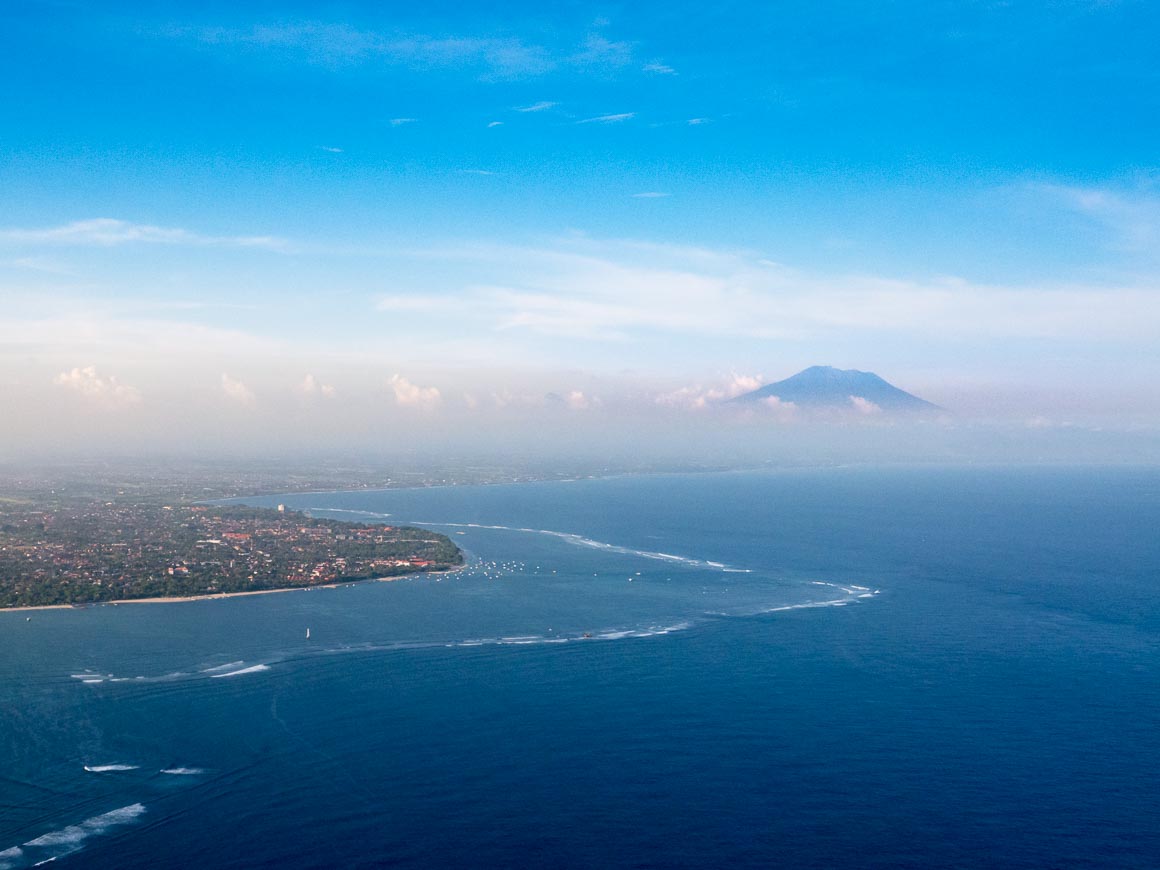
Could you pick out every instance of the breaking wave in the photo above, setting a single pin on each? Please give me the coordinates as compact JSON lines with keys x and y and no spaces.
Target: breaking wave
{"x":582,"y":541}
{"x":233,"y":669}
{"x":252,"y":669}
{"x":67,"y":840}
{"x":110,"y":768}
{"x":318,"y":510}
{"x":609,"y":626}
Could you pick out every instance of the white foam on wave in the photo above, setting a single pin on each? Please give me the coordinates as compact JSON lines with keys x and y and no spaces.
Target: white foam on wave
{"x":253,"y":669}
{"x":230,"y":669}
{"x":528,"y":639}
{"x":581,"y":541}
{"x":807,"y":605}
{"x":318,"y":510}
{"x":9,"y":857}
{"x":652,"y":631}
{"x":224,"y":667}
{"x":73,"y":837}
{"x":163,"y":678}
{"x":183,"y":771}
{"x":616,"y":635}
{"x":110,"y":768}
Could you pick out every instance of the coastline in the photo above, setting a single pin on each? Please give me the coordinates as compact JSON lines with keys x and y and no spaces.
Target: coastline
{"x":177,"y":599}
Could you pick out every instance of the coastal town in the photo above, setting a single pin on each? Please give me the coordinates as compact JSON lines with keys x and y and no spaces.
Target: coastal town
{"x":89,"y":551}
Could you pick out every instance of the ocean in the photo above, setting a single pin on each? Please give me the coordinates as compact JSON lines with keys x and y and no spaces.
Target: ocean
{"x":849,"y":667}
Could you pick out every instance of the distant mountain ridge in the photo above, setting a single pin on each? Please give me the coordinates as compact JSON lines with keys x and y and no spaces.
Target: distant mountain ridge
{"x":826,"y":387}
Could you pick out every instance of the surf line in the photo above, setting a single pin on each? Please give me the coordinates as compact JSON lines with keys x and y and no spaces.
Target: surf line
{"x":581,"y":541}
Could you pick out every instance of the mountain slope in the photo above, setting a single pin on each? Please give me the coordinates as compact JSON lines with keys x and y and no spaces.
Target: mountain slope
{"x":827,"y":387}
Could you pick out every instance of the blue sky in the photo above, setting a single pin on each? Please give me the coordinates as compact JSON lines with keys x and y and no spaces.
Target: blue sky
{"x":620,"y":201}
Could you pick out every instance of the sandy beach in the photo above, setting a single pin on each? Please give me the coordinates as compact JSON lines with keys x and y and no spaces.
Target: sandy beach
{"x":175,"y":599}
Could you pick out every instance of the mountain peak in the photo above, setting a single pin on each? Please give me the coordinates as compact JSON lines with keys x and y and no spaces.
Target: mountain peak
{"x":826,"y":387}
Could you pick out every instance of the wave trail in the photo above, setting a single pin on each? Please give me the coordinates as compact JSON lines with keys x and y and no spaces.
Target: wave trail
{"x":109,"y":768}
{"x":224,"y":667}
{"x":253,"y":669}
{"x":64,"y":841}
{"x":581,"y":541}
{"x":320,"y":510}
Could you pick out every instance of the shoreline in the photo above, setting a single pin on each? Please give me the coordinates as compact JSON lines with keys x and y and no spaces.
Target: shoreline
{"x":211,"y":596}
{"x":917,"y":465}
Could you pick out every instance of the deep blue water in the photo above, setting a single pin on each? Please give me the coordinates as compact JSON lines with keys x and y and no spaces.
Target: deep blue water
{"x":844,"y":668}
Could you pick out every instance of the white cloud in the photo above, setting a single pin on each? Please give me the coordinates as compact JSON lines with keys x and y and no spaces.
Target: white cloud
{"x":609,"y":119}
{"x":696,"y":122}
{"x":1131,"y":216}
{"x":700,"y":396}
{"x":337,"y":45}
{"x":106,"y":390}
{"x":782,"y":410}
{"x":103,"y":335}
{"x":599,"y":52}
{"x":399,"y":122}
{"x":864,"y":406}
{"x":236,"y":391}
{"x":107,"y":232}
{"x":494,"y":124}
{"x":494,"y":57}
{"x":739,"y":384}
{"x":331,"y":149}
{"x":505,"y":398}
{"x":411,"y":395}
{"x":614,"y":291}
{"x":541,"y":106}
{"x":659,"y":68}
{"x":685,"y":397}
{"x":311,"y":386}
{"x":577,"y":401}
{"x":37,"y":264}
{"x":574,"y":400}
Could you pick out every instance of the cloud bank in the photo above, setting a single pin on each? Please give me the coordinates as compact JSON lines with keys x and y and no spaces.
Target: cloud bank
{"x":99,"y":389}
